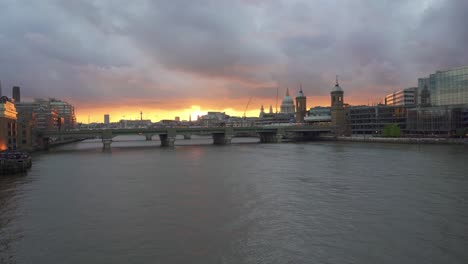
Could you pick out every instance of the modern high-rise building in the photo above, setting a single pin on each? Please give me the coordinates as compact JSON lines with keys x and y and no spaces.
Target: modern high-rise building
{"x":405,"y":97}
{"x":65,"y":111}
{"x":16,"y":94}
{"x":106,"y":119}
{"x":449,"y":87}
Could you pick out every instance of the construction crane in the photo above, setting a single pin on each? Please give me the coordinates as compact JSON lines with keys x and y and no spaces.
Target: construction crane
{"x":250,"y":99}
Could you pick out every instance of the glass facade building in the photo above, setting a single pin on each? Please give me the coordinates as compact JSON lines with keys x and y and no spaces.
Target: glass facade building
{"x":448,"y":87}
{"x":372,"y":119}
{"x":436,"y":120}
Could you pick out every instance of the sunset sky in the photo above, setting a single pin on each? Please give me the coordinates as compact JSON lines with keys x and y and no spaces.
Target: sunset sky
{"x":181,"y":58}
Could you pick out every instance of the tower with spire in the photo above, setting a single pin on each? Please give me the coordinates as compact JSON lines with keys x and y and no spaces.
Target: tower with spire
{"x":301,"y":105}
{"x":337,"y":109}
{"x":262,"y":112}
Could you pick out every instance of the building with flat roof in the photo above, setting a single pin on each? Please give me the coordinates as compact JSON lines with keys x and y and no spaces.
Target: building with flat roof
{"x":437,"y":120}
{"x":373,"y":119}
{"x":318,"y":114}
{"x":448,"y":87}
{"x":106,"y":119}
{"x":65,"y":111}
{"x":405,"y":97}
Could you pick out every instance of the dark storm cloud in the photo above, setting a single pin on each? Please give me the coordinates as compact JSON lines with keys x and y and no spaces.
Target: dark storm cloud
{"x":106,"y":50}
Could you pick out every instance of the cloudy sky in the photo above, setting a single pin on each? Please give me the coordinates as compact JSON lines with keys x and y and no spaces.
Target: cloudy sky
{"x":178,"y":57}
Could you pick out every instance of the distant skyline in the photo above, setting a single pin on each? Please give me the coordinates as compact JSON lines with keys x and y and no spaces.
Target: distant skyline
{"x":176,"y":58}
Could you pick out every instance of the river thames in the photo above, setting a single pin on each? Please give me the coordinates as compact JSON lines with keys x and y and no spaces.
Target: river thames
{"x":316,"y":202}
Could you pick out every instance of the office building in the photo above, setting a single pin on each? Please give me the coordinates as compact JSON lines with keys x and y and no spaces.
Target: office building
{"x":372,"y":119}
{"x":436,"y":120}
{"x":106,"y":119}
{"x":65,"y":111}
{"x":16,"y":94}
{"x":449,"y":87}
{"x":405,"y":97}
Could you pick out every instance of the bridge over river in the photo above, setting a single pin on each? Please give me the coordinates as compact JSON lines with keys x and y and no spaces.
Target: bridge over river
{"x":221,"y":135}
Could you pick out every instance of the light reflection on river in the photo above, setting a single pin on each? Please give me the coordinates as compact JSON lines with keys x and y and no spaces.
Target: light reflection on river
{"x":317,"y":202}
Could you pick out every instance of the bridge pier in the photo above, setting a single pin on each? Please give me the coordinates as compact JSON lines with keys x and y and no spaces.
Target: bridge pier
{"x":271,"y":137}
{"x":148,"y":137}
{"x":221,"y":139}
{"x":166,"y":140}
{"x":106,"y":143}
{"x":106,"y":140}
{"x":187,"y":136}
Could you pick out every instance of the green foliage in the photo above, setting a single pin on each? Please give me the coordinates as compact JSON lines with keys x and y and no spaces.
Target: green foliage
{"x":391,"y":130}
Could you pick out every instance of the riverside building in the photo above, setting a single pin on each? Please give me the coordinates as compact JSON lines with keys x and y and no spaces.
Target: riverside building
{"x":449,"y":87}
{"x":8,"y":127}
{"x":405,"y":97}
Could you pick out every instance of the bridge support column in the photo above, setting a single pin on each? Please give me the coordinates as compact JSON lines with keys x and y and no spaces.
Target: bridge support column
{"x":148,"y":137}
{"x":279,"y":138}
{"x":106,"y":143}
{"x":166,"y":140}
{"x":106,"y":140}
{"x":271,"y":137}
{"x":223,"y":138}
{"x":187,"y":136}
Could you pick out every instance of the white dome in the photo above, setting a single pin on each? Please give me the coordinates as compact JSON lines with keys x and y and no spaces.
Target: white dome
{"x":287,"y":105}
{"x":337,"y":88}
{"x":287,"y":100}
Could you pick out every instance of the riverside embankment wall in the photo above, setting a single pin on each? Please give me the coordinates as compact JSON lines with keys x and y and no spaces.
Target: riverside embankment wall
{"x":370,"y":139}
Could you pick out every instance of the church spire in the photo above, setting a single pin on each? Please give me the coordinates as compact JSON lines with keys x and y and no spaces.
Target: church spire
{"x":337,"y":81}
{"x":287,"y":91}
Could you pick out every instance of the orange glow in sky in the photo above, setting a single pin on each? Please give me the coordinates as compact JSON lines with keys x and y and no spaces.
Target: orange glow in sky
{"x":131,"y":110}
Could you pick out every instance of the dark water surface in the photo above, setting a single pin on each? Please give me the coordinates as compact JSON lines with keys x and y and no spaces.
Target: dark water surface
{"x":319,"y":202}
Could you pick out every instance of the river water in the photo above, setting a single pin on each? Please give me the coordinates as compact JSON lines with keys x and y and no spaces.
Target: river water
{"x":316,"y":202}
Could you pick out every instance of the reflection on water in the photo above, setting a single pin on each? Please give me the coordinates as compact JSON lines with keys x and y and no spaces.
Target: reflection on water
{"x":9,"y":196}
{"x":319,"y":202}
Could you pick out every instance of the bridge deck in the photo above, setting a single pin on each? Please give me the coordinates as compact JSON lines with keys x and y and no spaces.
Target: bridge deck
{"x":185,"y":130}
